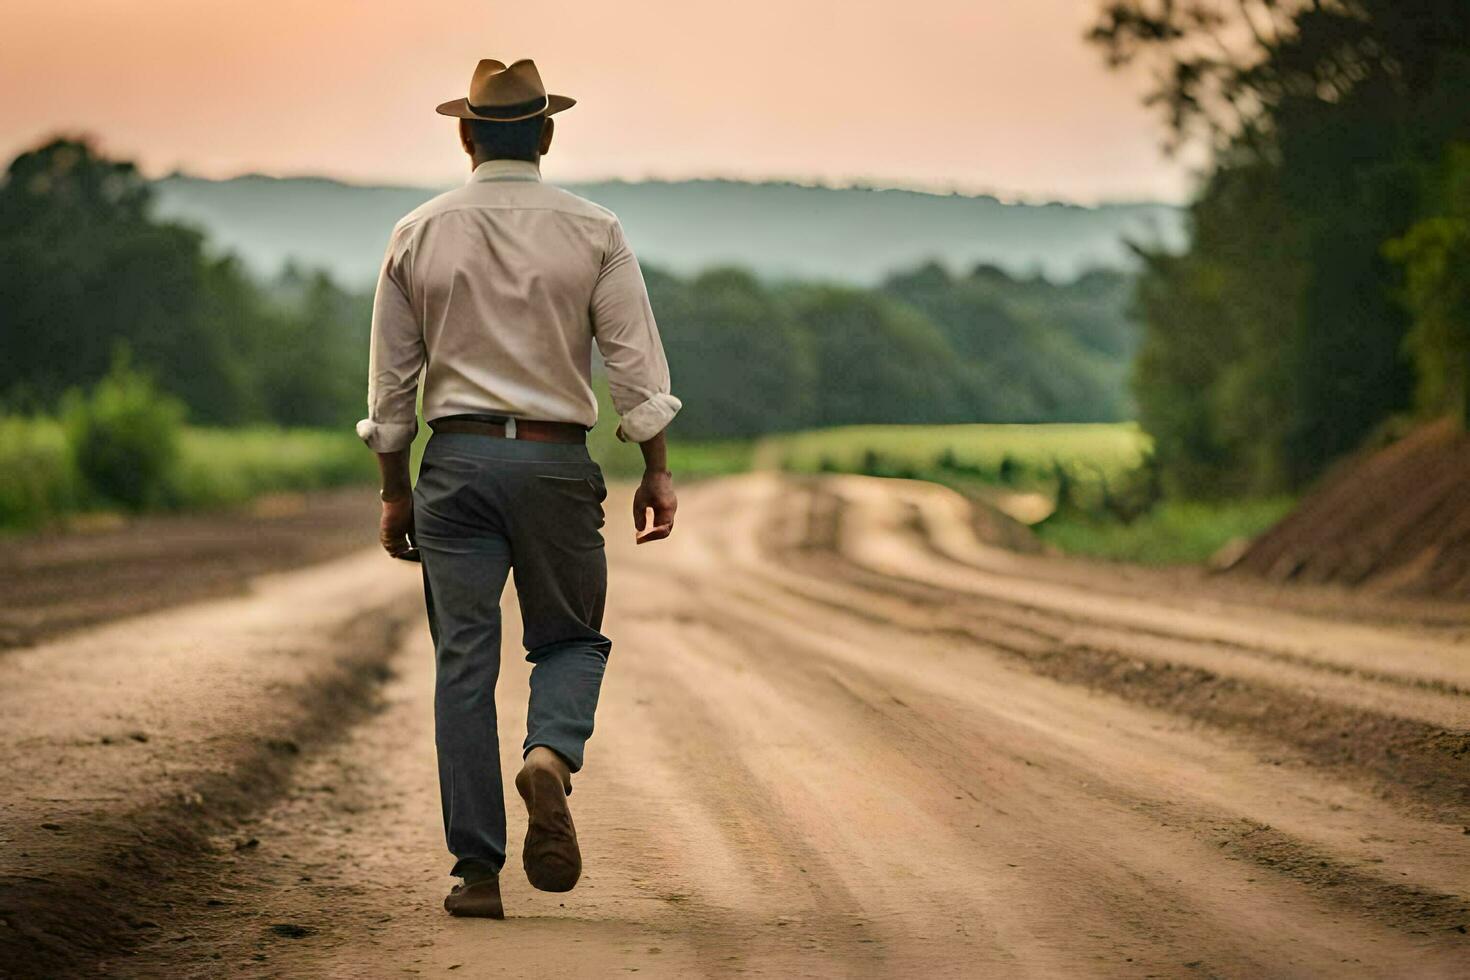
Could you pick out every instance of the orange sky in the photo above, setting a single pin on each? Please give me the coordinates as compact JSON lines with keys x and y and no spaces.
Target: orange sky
{"x":992,"y":95}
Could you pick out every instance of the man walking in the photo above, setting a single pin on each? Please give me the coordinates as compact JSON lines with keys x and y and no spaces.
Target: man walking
{"x":495,"y":293}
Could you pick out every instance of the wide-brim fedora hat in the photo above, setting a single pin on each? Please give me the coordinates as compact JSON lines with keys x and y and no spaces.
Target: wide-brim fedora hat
{"x":506,"y":94}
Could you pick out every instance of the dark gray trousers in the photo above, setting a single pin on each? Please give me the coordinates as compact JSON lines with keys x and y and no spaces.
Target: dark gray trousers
{"x":482,"y":508}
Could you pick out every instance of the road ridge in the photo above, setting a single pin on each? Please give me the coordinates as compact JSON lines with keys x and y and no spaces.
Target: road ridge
{"x":108,"y":875}
{"x":1426,"y":763}
{"x":1410,"y":756}
{"x":924,"y":538}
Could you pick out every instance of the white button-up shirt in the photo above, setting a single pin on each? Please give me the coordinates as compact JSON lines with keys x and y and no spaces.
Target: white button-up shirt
{"x":495,"y":291}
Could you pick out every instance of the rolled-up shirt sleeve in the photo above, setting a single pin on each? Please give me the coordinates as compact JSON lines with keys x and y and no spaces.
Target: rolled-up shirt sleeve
{"x":627,"y":336}
{"x":396,"y":359}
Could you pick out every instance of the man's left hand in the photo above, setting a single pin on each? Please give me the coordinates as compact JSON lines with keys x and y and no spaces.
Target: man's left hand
{"x":396,"y":525}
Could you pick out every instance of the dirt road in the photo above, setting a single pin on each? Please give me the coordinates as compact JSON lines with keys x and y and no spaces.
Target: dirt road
{"x":839,"y":737}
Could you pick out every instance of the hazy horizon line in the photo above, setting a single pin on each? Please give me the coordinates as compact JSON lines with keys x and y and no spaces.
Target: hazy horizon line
{"x":153,"y":170}
{"x":933,"y":189}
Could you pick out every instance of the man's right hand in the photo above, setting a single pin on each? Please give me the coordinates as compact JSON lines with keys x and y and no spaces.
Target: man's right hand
{"x":655,"y":493}
{"x":395,"y":526}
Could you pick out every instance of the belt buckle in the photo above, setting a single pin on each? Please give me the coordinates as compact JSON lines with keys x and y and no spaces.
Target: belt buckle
{"x":510,"y":428}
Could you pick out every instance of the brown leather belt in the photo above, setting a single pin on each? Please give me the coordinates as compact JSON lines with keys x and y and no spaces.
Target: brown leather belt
{"x":528,"y":429}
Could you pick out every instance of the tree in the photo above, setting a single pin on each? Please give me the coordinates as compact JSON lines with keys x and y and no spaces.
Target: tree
{"x":1031,"y":351}
{"x":740,"y":349}
{"x":1435,"y":256}
{"x":1321,"y":116}
{"x":878,"y":360}
{"x":310,"y":349}
{"x":85,"y":270}
{"x":925,"y":347}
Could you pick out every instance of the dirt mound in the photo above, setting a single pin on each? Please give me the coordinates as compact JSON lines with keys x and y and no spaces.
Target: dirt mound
{"x":1395,"y":519}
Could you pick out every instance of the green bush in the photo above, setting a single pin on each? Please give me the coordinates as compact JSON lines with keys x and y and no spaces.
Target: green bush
{"x":124,"y":437}
{"x":38,"y":478}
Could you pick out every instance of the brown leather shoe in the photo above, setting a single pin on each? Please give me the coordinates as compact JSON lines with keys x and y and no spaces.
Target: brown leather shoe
{"x":480,"y":900}
{"x":551,"y":857}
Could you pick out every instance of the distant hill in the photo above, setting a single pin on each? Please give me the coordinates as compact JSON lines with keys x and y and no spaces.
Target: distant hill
{"x":777,"y":230}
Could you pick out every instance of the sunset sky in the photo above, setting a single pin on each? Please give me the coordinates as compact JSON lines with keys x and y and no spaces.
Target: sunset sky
{"x":976,"y":95}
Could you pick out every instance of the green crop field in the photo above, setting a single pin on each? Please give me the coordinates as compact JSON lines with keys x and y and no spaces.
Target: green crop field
{"x":1109,"y":449}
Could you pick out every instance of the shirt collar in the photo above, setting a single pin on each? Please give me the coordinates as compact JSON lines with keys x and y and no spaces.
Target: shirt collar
{"x":506,"y":170}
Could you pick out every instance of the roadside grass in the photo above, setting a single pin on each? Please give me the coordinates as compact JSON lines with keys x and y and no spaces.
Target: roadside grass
{"x":1175,"y":532}
{"x":39,"y":481}
{"x":220,"y":467}
{"x":687,"y":460}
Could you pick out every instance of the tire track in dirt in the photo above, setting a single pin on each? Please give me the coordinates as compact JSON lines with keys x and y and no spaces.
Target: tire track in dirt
{"x":901,"y":533}
{"x":908,"y":726}
{"x":919,"y":532}
{"x":689,"y":872}
{"x":1423,"y":764}
{"x":1408,"y":906}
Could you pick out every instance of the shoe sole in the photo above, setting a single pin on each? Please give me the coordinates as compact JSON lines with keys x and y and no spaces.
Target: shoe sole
{"x":551,"y":857}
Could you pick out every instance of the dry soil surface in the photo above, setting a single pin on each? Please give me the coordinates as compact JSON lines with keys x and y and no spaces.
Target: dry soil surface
{"x":63,"y":580}
{"x":839,"y":737}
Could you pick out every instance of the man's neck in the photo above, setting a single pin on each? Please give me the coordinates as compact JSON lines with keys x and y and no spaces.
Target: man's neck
{"x":476,"y":160}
